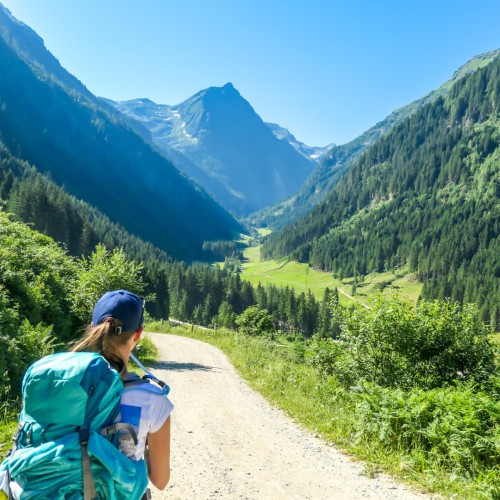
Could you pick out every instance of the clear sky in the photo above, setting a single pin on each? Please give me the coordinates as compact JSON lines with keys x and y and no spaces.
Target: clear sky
{"x":325,"y":69}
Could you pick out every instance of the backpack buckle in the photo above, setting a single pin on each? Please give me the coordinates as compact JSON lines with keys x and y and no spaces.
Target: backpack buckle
{"x":16,"y":435}
{"x":109,"y":430}
{"x":83,"y":435}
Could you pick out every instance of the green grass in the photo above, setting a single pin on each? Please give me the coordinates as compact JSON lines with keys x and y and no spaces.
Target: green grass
{"x":7,"y":430}
{"x":9,"y":412}
{"x":275,"y":369}
{"x":302,"y":277}
{"x":146,"y":352}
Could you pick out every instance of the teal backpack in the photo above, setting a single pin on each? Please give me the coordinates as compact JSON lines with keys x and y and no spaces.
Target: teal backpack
{"x":66,"y":446}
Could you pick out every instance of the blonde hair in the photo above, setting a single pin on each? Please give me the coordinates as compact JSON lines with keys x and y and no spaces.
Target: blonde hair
{"x":104,"y":340}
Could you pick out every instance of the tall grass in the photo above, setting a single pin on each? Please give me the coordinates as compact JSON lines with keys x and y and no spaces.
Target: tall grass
{"x":145,"y":350}
{"x":444,"y":440}
{"x":9,"y":411}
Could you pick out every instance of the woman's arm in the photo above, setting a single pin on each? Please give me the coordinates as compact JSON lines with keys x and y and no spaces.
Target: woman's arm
{"x":159,"y":456}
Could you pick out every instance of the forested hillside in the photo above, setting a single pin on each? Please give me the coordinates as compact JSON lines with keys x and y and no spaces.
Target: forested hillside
{"x":46,"y":295}
{"x":57,"y":127}
{"x":425,"y":195}
{"x":340,"y":158}
{"x":198,"y":292}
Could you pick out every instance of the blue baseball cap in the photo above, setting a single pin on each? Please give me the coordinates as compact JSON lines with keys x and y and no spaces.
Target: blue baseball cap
{"x":122,"y":305}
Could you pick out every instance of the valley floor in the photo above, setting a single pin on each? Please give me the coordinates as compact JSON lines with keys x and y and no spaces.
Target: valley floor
{"x":302,"y":278}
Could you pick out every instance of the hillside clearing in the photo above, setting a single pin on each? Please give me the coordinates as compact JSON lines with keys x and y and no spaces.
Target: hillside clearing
{"x":302,"y":277}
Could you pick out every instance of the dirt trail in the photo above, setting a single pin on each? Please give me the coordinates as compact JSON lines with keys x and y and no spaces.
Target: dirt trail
{"x":228,"y":442}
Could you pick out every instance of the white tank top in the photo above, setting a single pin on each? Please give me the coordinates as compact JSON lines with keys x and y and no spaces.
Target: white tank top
{"x":146,"y":408}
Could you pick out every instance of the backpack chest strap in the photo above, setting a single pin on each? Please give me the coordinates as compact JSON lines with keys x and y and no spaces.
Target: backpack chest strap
{"x":121,"y":426}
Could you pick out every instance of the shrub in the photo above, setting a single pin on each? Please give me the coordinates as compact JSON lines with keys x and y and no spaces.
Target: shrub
{"x":18,"y":352}
{"x":323,"y":353}
{"x":398,"y":345}
{"x":45,"y":295}
{"x":35,"y":278}
{"x":100,"y":273}
{"x":454,"y":428}
{"x":35,"y":341}
{"x":255,"y":321}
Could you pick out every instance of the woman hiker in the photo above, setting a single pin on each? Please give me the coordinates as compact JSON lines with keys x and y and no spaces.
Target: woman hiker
{"x":117,"y":326}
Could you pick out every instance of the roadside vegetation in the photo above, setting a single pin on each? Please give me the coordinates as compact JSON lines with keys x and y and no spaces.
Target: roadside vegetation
{"x":412,"y":390}
{"x":46,"y":300}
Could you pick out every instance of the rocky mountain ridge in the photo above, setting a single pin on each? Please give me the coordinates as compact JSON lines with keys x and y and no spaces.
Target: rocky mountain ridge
{"x":218,"y":139}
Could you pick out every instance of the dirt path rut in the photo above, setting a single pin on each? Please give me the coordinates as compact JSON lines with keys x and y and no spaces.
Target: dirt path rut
{"x":228,"y":442}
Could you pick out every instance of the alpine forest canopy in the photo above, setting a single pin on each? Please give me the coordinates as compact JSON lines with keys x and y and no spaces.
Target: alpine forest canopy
{"x":87,"y":147}
{"x":426,"y":196}
{"x":340,"y":158}
{"x":47,"y":295}
{"x":34,"y":198}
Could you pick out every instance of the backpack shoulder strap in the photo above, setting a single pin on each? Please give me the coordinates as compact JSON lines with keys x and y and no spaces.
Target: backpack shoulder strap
{"x":89,"y":491}
{"x":153,"y":382}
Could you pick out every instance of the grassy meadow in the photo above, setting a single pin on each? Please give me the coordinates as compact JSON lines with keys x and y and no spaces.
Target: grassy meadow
{"x":302,"y":277}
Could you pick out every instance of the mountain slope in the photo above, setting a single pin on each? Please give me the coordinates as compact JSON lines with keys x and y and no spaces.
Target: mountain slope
{"x":225,"y":146}
{"x":340,"y":158}
{"x":426,"y":195}
{"x":98,"y":158}
{"x":30,"y":47}
{"x":309,"y":152}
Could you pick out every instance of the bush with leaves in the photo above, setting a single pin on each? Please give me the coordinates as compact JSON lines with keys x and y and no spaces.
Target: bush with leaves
{"x":45,"y":295}
{"x":396,"y":344}
{"x":20,"y":344}
{"x":35,"y":341}
{"x":100,"y":273}
{"x":36,"y":276}
{"x":322,"y":353}
{"x":30,"y":343}
{"x":455,"y":428}
{"x":255,"y":321}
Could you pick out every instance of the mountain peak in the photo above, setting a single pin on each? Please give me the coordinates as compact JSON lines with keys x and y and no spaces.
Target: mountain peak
{"x":228,"y":91}
{"x":310,"y":152}
{"x":141,"y":100}
{"x":226,"y":147}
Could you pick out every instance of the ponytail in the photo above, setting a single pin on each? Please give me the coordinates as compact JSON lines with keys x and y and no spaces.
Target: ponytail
{"x":104,"y":340}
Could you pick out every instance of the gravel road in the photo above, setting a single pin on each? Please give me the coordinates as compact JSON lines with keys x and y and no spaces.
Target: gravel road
{"x":228,"y":442}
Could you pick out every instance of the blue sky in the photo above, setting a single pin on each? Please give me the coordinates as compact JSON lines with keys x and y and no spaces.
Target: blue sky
{"x":325,"y":69}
